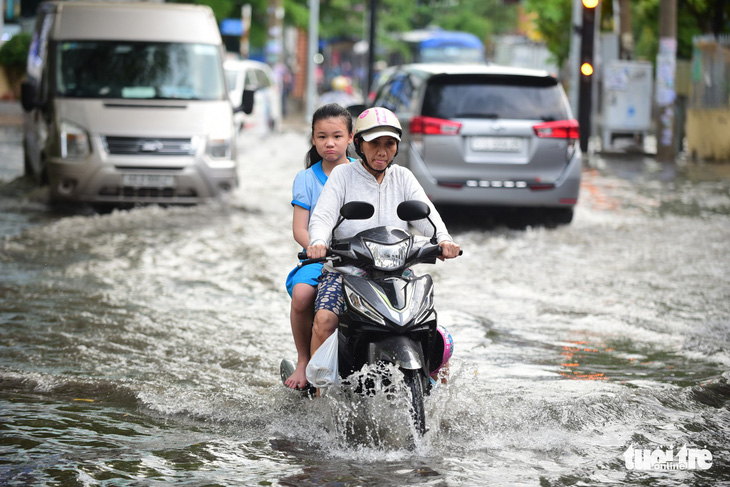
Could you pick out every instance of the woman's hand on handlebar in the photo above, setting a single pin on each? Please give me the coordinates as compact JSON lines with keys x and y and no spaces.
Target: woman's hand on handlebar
{"x":316,"y":251}
{"x":449,"y":249}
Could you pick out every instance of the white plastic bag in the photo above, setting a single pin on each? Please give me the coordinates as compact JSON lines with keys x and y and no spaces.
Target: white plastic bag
{"x":322,"y":367}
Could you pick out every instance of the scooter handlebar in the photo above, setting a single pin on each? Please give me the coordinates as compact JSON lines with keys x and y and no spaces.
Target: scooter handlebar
{"x":440,"y":251}
{"x":303,"y":256}
{"x":303,"y":260}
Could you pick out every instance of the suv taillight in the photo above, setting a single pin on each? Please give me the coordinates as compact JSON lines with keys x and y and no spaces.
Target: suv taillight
{"x":434,"y":126}
{"x":562,"y":129}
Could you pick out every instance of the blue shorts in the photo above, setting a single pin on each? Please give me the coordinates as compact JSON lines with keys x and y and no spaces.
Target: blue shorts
{"x":306,"y":274}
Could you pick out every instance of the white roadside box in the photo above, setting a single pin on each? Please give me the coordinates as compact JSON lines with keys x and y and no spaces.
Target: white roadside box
{"x":627,"y":99}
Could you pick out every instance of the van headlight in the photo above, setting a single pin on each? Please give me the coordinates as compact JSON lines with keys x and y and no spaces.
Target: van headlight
{"x":388,"y":257}
{"x":218,"y":147}
{"x":74,"y":141}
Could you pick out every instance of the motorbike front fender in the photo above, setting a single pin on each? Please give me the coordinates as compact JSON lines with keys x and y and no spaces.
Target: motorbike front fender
{"x":400,"y":350}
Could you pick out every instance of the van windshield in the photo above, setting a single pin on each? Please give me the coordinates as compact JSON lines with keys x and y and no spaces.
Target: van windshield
{"x":139,"y":70}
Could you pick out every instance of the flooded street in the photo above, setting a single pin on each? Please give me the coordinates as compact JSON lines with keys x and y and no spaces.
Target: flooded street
{"x":142,"y":347}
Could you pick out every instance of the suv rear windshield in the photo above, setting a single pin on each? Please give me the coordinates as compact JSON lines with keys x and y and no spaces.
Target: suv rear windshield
{"x":507,"y":97}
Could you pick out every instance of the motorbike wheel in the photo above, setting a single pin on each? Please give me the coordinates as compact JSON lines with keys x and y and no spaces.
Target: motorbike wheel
{"x":413,"y":380}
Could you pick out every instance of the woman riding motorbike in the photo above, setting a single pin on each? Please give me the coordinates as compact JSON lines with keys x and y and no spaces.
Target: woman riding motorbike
{"x":373,"y":179}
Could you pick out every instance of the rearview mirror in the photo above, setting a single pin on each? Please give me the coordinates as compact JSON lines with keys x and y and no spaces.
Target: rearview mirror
{"x":416,"y":210}
{"x":413,"y":210}
{"x":357,"y":210}
{"x":354,"y":210}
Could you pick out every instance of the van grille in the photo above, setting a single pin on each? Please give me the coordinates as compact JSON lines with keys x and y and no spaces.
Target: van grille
{"x":147,"y":194}
{"x":149,"y":146}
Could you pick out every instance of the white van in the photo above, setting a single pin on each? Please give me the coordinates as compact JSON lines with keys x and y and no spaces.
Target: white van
{"x":127,"y":103}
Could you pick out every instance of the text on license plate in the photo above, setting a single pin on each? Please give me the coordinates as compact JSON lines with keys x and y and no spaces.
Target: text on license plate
{"x":496,"y":144}
{"x":149,"y":180}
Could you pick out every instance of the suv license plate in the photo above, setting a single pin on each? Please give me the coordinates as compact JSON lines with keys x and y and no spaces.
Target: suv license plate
{"x":149,"y":180}
{"x":496,"y":144}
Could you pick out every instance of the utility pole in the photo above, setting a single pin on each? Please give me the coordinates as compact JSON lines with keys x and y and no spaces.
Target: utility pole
{"x":312,"y":51}
{"x":574,"y":56}
{"x":245,"y":47}
{"x":665,"y":92}
{"x":2,"y":19}
{"x":587,"y":69}
{"x":275,"y":31}
{"x":626,"y":34}
{"x":371,"y":43}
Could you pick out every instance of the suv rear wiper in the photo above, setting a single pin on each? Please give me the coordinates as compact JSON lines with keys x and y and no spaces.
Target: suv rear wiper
{"x":477,"y":115}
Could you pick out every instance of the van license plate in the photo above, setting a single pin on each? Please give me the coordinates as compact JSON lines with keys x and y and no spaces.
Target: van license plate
{"x":149,"y":180}
{"x":496,"y":144}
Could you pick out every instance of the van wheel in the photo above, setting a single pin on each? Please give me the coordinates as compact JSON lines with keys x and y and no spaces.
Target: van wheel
{"x":27,"y":166}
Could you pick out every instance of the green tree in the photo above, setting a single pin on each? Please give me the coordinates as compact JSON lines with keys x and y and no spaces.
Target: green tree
{"x":345,"y":19}
{"x":553,"y":24}
{"x":694,"y":17}
{"x":13,"y":58}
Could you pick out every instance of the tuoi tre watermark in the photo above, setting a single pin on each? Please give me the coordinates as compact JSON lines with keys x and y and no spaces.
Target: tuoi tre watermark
{"x":665,"y":459}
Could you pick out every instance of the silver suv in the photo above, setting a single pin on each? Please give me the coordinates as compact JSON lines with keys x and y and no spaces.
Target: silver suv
{"x":487,"y":135}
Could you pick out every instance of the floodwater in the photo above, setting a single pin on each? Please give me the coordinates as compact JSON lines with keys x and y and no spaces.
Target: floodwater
{"x":142,"y":347}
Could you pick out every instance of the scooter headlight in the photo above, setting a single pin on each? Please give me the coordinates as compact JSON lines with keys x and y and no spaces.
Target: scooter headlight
{"x":388,"y":257}
{"x":356,"y":302}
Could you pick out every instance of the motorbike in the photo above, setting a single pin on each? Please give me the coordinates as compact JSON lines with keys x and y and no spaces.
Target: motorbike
{"x":389,"y":315}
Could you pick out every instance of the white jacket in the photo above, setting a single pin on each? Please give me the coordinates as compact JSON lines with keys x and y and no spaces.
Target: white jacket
{"x":352,"y":182}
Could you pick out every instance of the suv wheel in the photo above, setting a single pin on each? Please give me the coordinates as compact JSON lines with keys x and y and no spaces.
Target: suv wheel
{"x":559,"y":216}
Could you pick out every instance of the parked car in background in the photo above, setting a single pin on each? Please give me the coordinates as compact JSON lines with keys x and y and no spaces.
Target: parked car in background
{"x":125,"y":103}
{"x":487,"y":135}
{"x":247,"y":74}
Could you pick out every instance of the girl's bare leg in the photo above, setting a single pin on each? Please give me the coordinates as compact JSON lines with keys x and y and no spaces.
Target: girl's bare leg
{"x":301,"y":315}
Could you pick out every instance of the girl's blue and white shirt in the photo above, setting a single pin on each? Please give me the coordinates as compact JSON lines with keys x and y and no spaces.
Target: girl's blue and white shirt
{"x":308,"y":185}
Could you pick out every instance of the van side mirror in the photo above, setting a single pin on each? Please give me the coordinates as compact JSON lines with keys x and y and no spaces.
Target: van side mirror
{"x":28,"y":95}
{"x":247,"y":101}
